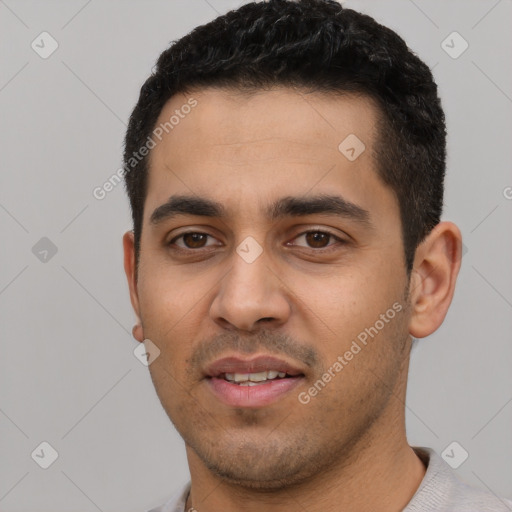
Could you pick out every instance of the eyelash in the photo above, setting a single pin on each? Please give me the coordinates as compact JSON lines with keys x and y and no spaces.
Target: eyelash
{"x":322,"y":250}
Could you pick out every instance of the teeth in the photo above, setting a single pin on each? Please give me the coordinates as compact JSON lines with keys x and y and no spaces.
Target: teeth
{"x":258,"y":377}
{"x":250,"y":379}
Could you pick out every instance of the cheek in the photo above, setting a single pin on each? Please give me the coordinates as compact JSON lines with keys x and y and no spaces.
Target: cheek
{"x":166,"y":296}
{"x":359,"y":315}
{"x":170,"y":387}
{"x":344,"y":302}
{"x":362,"y":361}
{"x":166,"y":320}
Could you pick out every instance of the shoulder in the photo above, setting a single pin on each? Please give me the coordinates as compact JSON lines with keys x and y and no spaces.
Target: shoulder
{"x":442,"y":491}
{"x":176,"y":503}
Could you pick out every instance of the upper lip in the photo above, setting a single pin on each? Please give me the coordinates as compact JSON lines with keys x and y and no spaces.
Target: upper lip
{"x":235,"y":364}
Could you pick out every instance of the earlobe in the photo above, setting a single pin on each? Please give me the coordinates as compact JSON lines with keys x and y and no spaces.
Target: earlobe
{"x":129,"y":268}
{"x":432,"y":286}
{"x":137,"y":332}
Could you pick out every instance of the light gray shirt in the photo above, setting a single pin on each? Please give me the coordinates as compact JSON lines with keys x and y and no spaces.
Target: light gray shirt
{"x":439,"y":491}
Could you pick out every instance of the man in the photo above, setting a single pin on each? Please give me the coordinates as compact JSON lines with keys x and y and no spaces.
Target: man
{"x":285,"y":167}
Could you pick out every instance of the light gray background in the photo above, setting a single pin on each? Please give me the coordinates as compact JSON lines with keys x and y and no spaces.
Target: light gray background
{"x":68,"y":375}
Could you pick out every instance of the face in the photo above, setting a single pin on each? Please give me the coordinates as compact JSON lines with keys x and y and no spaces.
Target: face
{"x":286,"y":258}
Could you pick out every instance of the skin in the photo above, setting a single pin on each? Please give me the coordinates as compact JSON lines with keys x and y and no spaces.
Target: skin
{"x":347,"y":448}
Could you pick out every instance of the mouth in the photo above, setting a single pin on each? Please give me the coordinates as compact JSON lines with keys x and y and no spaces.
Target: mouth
{"x":252,"y":383}
{"x":254,"y":379}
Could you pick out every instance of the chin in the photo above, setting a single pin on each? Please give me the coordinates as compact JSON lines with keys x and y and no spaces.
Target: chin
{"x":263,"y":479}
{"x":260,"y":465}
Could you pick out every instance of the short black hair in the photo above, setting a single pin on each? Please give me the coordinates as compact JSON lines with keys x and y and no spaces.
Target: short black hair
{"x":316,"y":46}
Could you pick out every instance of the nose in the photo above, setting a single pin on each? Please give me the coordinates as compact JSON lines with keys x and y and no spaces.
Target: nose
{"x":251,"y":294}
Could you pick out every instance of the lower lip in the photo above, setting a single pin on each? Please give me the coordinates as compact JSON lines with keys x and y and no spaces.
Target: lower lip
{"x":252,"y":396}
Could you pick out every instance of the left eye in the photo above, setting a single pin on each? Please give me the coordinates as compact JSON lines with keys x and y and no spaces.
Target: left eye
{"x":317,"y":239}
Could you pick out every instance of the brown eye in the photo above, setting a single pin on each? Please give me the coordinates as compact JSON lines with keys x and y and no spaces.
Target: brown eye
{"x":191,"y":240}
{"x":317,"y":239}
{"x":194,"y":240}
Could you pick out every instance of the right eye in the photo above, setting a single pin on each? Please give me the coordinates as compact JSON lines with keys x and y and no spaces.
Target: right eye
{"x":192,"y":240}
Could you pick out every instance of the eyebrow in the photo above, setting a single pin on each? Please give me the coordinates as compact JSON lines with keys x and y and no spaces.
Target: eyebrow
{"x":288,"y":206}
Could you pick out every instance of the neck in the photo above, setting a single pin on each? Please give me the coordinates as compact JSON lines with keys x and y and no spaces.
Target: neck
{"x":375,"y":476}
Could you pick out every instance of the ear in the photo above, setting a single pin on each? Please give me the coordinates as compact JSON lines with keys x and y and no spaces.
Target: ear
{"x":130,"y":270}
{"x":436,"y":266}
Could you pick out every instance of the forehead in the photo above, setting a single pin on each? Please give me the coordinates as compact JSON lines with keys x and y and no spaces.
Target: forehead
{"x":245,"y":149}
{"x":285,"y":117}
